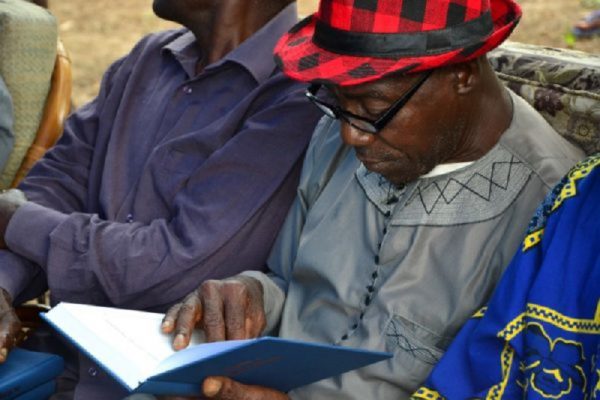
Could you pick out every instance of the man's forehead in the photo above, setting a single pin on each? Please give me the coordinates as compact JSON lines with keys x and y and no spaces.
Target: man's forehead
{"x":380,"y":88}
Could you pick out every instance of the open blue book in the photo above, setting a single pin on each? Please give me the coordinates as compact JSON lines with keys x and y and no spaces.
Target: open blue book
{"x":29,"y":375}
{"x":130,"y":346}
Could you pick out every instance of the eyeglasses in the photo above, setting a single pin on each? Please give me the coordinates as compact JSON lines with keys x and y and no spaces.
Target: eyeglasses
{"x":362,"y":123}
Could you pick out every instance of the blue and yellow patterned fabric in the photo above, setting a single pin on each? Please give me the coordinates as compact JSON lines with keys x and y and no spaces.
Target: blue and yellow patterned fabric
{"x":539,"y":337}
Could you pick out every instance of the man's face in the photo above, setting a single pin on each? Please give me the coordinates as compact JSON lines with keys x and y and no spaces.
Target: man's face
{"x":424,"y":133}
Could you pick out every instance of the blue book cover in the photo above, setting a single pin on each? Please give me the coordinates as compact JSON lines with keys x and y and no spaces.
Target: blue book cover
{"x":26,"y":370}
{"x":129,"y":345}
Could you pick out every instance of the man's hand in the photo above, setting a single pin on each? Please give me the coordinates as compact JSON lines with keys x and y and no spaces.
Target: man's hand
{"x":10,"y":201}
{"x":222,"y":388}
{"x":225,"y":310}
{"x":10,"y":326}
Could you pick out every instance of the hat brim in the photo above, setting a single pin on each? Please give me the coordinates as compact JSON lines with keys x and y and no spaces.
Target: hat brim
{"x":301,"y":59}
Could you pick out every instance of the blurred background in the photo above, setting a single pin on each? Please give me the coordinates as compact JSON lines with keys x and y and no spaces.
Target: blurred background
{"x":98,"y":32}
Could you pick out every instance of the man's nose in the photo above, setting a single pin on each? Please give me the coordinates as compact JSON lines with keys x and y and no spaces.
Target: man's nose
{"x":355,"y":137}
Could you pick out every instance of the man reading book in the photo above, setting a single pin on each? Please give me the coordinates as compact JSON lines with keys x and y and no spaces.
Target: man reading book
{"x":415,"y":193}
{"x":182,"y":169}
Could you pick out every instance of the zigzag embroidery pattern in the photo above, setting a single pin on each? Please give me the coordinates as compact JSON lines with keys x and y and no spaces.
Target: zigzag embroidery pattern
{"x":535,"y":311}
{"x":507,"y":356}
{"x":567,"y":190}
{"x":582,"y":170}
{"x":465,"y":186}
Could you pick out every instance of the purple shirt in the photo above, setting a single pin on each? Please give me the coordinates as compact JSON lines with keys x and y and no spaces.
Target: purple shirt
{"x":166,"y":179}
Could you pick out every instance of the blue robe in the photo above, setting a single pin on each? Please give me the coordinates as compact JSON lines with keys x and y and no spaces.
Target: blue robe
{"x":539,"y":337}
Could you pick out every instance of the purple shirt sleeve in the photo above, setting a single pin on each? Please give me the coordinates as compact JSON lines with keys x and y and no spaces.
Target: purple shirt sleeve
{"x":21,"y":278}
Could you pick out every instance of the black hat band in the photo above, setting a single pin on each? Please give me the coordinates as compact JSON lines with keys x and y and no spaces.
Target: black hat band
{"x":393,"y":45}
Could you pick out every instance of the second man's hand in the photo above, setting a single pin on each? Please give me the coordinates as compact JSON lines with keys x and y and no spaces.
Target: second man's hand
{"x":10,"y":325}
{"x":228,"y":309}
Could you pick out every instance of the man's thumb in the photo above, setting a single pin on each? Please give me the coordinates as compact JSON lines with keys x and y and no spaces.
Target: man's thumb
{"x":212,"y":386}
{"x":222,"y":388}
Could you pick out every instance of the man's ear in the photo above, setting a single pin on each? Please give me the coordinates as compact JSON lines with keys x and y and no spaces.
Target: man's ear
{"x":466,"y":76}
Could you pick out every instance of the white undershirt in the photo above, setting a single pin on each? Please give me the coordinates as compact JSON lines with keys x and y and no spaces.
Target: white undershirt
{"x":446,"y":168}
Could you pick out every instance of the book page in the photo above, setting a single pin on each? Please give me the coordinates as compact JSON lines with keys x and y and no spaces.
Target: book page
{"x":128,"y":343}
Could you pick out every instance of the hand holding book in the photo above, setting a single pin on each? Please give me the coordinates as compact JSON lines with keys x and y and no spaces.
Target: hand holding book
{"x":230,"y":309}
{"x":130,"y":346}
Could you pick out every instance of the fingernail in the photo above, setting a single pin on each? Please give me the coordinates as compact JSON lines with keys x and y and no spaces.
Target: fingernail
{"x":179,"y":341}
{"x":211,"y":387}
{"x":167,"y":324}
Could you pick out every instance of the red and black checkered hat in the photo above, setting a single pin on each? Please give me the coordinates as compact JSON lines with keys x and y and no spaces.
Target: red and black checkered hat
{"x":348,"y":42}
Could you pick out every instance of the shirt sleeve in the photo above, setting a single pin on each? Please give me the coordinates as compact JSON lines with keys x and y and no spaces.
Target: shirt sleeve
{"x":281,"y":261}
{"x":220,"y":224}
{"x":7,"y":138}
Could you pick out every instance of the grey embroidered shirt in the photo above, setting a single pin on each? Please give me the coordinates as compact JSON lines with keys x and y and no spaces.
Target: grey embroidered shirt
{"x":360,"y":263}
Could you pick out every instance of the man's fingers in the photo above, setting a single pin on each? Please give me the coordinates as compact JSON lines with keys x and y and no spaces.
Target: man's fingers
{"x":10,"y":325}
{"x":235,"y":298}
{"x":213,"y":322}
{"x":255,"y":316}
{"x":5,"y":346}
{"x":222,"y":388}
{"x":188,"y":314}
{"x":8,"y":337}
{"x":168,"y":322}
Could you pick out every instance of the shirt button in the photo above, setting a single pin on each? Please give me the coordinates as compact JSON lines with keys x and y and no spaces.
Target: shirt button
{"x":92,"y":371}
{"x":187,"y":89}
{"x":129,"y":218}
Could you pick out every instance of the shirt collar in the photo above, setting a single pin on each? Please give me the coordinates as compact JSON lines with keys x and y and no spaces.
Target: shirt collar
{"x":255,"y":54}
{"x":384,"y":194}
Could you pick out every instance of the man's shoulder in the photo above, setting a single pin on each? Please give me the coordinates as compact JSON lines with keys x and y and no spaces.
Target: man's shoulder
{"x":534,"y":142}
